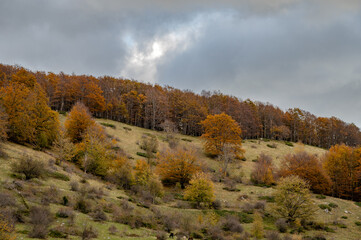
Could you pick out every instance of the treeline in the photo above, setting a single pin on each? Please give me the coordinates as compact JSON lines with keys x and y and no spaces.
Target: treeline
{"x":337,"y":173}
{"x":156,"y":107}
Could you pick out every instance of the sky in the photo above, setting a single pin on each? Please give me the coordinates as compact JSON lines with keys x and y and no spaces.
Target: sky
{"x":291,"y":53}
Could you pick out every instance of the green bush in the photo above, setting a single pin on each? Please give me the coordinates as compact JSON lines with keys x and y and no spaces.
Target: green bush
{"x":142,"y":154}
{"x":325,"y":206}
{"x":321,"y":196}
{"x":358,"y":223}
{"x":270,"y":199}
{"x":344,"y":217}
{"x":127,"y":128}
{"x":358,"y":204}
{"x":187,"y":140}
{"x":243,"y":217}
{"x":108,"y":125}
{"x":58,"y":175}
{"x":272,"y":145}
{"x":289,"y":144}
{"x":333,"y":205}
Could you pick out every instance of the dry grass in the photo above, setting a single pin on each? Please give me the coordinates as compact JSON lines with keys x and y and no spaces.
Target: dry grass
{"x":127,"y":140}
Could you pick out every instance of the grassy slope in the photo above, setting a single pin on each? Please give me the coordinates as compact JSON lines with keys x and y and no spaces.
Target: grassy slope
{"x":127,"y":140}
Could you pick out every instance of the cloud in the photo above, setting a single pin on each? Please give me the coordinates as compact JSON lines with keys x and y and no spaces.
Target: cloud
{"x":293,"y":53}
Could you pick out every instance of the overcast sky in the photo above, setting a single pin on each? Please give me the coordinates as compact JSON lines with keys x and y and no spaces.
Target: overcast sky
{"x":292,"y":53}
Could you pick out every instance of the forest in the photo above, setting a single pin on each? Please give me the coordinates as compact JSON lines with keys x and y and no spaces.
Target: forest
{"x":157,"y":107}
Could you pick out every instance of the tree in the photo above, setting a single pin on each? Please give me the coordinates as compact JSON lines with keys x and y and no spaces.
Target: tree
{"x":94,"y":151}
{"x":293,"y":199}
{"x":150,"y":145}
{"x":219,"y":130}
{"x":77,"y":122}
{"x":63,"y":148}
{"x":263,"y":171}
{"x":30,"y":119}
{"x":200,"y":189}
{"x":3,"y":124}
{"x":342,"y":164}
{"x":142,"y":172}
{"x":177,"y":166}
{"x":309,"y":168}
{"x":257,"y":227}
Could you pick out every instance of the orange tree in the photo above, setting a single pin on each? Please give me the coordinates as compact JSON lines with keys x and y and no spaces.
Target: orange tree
{"x":309,"y":168}
{"x":177,"y":166}
{"x":77,"y":122}
{"x":221,"y":130}
{"x":342,"y":164}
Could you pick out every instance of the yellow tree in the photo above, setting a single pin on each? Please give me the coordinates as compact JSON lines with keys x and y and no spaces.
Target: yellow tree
{"x":221,"y":130}
{"x":200,"y":189}
{"x":341,"y":164}
{"x":177,"y":166}
{"x":77,"y":122}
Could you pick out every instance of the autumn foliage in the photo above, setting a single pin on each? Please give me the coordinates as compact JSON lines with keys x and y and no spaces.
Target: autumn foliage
{"x":343,"y":166}
{"x":309,"y":168}
{"x":149,"y":106}
{"x":177,"y":166}
{"x":221,"y":130}
{"x":77,"y":122}
{"x":30,"y":119}
{"x":200,"y":189}
{"x":263,"y":171}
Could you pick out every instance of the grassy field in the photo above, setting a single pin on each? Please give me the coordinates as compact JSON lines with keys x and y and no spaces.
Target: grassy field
{"x":128,"y":137}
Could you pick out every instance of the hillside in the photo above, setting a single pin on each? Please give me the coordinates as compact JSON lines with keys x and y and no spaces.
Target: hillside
{"x":60,"y":181}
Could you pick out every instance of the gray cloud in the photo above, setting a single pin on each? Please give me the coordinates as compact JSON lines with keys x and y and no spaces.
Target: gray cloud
{"x":293,"y":53}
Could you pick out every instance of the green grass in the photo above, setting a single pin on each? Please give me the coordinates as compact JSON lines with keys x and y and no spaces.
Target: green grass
{"x":127,"y":138}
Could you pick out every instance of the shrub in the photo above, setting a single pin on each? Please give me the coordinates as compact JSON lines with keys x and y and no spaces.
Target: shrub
{"x":58,"y":175}
{"x":344,"y":217}
{"x":74,"y":186}
{"x":56,"y":233}
{"x":270,"y":199}
{"x":113,"y":230}
{"x":65,"y":213}
{"x":29,"y":167}
{"x":319,"y":237}
{"x":142,"y":154}
{"x":248,"y":208}
{"x":108,"y":125}
{"x":6,"y":200}
{"x":358,"y":223}
{"x":161,"y":236}
{"x":260,"y":205}
{"x":216,"y":204}
{"x":89,"y":232}
{"x":358,"y":204}
{"x":230,"y":185}
{"x":98,"y":215}
{"x":289,"y":144}
{"x":127,"y":128}
{"x":232,"y":224}
{"x":273,"y":145}
{"x":83,"y":206}
{"x":40,"y":218}
{"x":187,"y":140}
{"x":333,"y":205}
{"x":321,"y":196}
{"x":325,"y":206}
{"x":272,"y":235}
{"x":263,"y":171}
{"x":281,"y":225}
